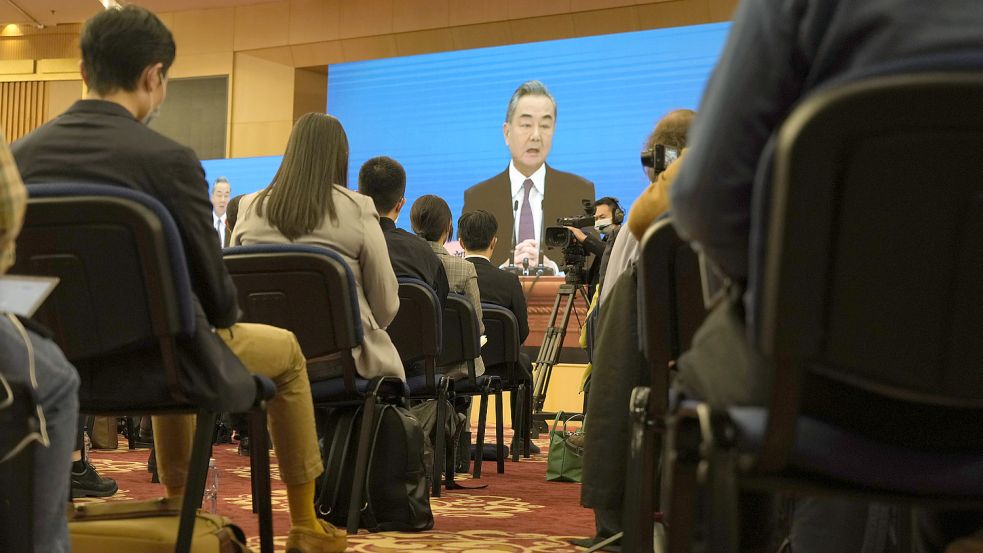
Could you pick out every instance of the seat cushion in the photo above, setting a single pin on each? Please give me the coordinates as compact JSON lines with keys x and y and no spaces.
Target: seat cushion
{"x":333,"y":390}
{"x":830,"y":452}
{"x":466,"y":386}
{"x":417,"y":384}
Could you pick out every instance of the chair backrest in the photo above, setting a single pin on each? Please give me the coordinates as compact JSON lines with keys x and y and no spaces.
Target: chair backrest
{"x":308,"y":290}
{"x":460,"y":340}
{"x":416,"y":330}
{"x":502,"y":332}
{"x":123,"y":279}
{"x":670,"y":295}
{"x":874,"y":264}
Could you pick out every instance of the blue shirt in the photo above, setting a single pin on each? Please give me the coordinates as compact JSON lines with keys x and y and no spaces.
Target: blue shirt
{"x":777,"y":53}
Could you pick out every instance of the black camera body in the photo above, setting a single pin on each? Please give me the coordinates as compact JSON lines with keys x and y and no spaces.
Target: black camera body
{"x":659,"y":157}
{"x":574,"y":255}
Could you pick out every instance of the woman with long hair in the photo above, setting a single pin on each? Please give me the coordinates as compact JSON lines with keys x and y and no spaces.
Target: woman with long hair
{"x":308,"y":202}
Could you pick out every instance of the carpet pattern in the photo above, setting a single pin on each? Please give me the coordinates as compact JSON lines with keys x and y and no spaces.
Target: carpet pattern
{"x":518,"y":512}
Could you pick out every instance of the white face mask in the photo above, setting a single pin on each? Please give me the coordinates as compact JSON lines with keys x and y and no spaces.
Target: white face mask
{"x":152,"y":115}
{"x":602,"y":224}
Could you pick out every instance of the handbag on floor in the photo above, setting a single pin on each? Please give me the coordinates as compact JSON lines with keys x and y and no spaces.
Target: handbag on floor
{"x":396,"y":494}
{"x":148,"y":526}
{"x":102,"y":432}
{"x":565,"y":461}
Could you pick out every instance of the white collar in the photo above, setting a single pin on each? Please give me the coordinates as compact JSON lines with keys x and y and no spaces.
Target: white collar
{"x":538,"y":179}
{"x":477,"y":256}
{"x":216,"y":217}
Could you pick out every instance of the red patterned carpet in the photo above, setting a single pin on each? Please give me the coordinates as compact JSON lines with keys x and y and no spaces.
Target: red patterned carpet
{"x":518,"y":512}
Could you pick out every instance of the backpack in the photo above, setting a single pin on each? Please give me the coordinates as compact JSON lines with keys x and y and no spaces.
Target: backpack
{"x":396,"y":493}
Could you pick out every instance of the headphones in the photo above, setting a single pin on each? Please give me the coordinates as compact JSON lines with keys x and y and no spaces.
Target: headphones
{"x":617,"y":214}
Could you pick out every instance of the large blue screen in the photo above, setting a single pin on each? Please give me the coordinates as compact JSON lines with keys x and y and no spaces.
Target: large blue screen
{"x":441,"y":115}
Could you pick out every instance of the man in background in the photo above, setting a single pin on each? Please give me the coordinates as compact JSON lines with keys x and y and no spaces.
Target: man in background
{"x":476,"y":232}
{"x":126,"y":53}
{"x":529,"y":189}
{"x":384,"y":180}
{"x":221,"y":191}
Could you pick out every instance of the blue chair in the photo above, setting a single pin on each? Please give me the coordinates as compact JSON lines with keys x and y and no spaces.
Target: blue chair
{"x":416,"y":334}
{"x":670,"y":306}
{"x":310,"y":291}
{"x":461,"y":344}
{"x":124,"y":314}
{"x":501,"y":353}
{"x":868,"y":312}
{"x":18,"y":419}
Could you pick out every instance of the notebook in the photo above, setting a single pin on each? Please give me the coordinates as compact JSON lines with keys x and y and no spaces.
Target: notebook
{"x":23,"y":295}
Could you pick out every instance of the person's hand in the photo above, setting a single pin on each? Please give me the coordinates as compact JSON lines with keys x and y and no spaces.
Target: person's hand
{"x":578,"y":234}
{"x":527,"y":249}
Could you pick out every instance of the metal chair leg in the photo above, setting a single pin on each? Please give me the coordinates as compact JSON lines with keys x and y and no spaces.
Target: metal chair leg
{"x":480,"y":444}
{"x":519,"y":395}
{"x":499,"y":433}
{"x":439,"y":448}
{"x":194,"y":487}
{"x":682,"y":462}
{"x":259,"y":461}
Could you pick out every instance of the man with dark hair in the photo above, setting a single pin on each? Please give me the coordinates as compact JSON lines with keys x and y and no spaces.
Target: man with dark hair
{"x":476,"y":232}
{"x":384,"y":180}
{"x":528,"y":190}
{"x":221,"y":191}
{"x":431,"y":220}
{"x":126,"y":53}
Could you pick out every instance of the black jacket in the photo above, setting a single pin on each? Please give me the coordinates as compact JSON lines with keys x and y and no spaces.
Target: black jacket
{"x":411,"y":256}
{"x":502,"y":288}
{"x":100,"y":142}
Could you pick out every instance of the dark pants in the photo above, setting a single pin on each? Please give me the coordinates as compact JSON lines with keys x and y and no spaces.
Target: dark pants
{"x":618,"y":367}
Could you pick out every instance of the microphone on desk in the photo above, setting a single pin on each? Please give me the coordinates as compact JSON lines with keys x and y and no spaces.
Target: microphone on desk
{"x":542,"y":270}
{"x":515,"y":217}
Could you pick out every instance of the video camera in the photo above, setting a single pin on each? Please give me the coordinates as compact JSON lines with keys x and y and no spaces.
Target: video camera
{"x":659,"y":157}
{"x":561,"y":237}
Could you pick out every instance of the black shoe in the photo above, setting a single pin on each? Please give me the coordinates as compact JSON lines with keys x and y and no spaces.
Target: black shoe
{"x":88,"y":483}
{"x":488,"y":453}
{"x":533,"y":448}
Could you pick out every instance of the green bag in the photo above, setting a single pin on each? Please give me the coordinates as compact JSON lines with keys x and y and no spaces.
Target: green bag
{"x":565,"y":461}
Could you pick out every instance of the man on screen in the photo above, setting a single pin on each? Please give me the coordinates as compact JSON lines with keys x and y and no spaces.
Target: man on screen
{"x":221,"y":191}
{"x":528,"y":189}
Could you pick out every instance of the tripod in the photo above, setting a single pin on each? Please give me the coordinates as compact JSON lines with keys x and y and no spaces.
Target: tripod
{"x":549,"y":352}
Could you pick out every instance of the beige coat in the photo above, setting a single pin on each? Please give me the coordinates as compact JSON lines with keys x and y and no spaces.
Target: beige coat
{"x":357,"y":237}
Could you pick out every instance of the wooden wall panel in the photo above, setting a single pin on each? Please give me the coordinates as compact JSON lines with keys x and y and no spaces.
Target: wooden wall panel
{"x":22,"y":107}
{"x":61,"y":95}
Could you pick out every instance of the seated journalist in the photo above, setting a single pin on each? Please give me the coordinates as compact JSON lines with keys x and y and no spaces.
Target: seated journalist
{"x":126,"y":53}
{"x":309,"y":203}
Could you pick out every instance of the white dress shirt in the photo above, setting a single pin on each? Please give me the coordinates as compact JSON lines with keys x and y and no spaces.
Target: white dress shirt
{"x":536,"y":196}
{"x":218,"y":223}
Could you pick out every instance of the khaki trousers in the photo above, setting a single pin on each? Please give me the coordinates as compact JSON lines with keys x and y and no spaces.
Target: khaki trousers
{"x":274,"y":353}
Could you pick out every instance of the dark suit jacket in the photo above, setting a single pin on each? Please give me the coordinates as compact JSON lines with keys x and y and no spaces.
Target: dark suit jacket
{"x":563,"y":194}
{"x":502,"y":288}
{"x":411,"y":256}
{"x":100,"y":142}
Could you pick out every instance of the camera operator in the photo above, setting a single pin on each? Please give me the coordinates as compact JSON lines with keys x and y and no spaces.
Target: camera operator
{"x":598,"y":239}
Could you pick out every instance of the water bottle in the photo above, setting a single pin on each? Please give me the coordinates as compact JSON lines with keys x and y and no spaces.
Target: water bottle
{"x":210,"y":501}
